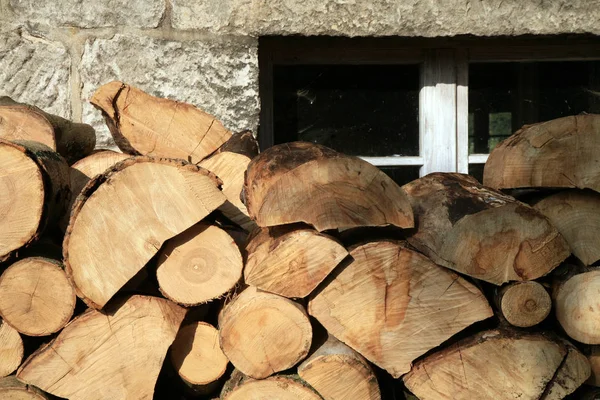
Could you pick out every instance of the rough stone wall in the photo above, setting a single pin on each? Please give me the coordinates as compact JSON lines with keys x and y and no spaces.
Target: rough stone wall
{"x":55,"y":53}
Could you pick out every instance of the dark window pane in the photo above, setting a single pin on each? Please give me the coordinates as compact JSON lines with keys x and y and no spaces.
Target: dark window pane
{"x":367,"y":110}
{"x":402,"y":175}
{"x":505,"y":96}
{"x":476,"y":171}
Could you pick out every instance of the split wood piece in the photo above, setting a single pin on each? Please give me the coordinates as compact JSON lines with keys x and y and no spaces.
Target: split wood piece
{"x":229,"y":163}
{"x":36,"y":297}
{"x":392,"y":304}
{"x":13,"y":389}
{"x":576,"y":304}
{"x":339,"y":373}
{"x":576,"y":215}
{"x":20,"y":121}
{"x":493,"y":364}
{"x":593,"y":356}
{"x":541,"y":155}
{"x":123,"y":216}
{"x":34,"y":182}
{"x":114,"y":355}
{"x":263,"y":333}
{"x":523,"y":304}
{"x":199,"y":265}
{"x":85,"y":169}
{"x":572,"y":373}
{"x":481,"y":232}
{"x":197,"y":357}
{"x":281,"y":387}
{"x":11,"y":349}
{"x":306,"y":182}
{"x":148,"y":125}
{"x":290,"y":261}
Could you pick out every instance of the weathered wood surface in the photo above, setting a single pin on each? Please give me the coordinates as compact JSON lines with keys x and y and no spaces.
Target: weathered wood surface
{"x":12,"y":389}
{"x":280,"y":387}
{"x":11,"y":349}
{"x":523,"y":304}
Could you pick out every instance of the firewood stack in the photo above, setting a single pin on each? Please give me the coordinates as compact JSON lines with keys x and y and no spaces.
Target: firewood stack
{"x":190,"y":266}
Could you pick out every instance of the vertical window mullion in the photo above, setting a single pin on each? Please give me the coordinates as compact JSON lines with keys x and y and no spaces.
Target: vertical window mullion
{"x":462,"y":111}
{"x":437,"y":112}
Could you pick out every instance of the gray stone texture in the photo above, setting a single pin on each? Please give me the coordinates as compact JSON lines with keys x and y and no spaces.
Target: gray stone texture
{"x":35,"y":71}
{"x":427,"y":18}
{"x":90,"y":13}
{"x":219,"y":77}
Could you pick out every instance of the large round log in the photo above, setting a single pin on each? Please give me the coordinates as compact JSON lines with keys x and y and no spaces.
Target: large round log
{"x":392,"y":304}
{"x":123,"y":217}
{"x":481,"y":232}
{"x":11,"y":349}
{"x":262,"y":333}
{"x":576,"y":215}
{"x":116,"y":354}
{"x":36,"y":297}
{"x":20,"y":121}
{"x":306,"y":182}
{"x":290,"y":261}
{"x":281,"y":387}
{"x":523,"y":304}
{"x":542,"y":155}
{"x":35,"y":192}
{"x":148,"y":125}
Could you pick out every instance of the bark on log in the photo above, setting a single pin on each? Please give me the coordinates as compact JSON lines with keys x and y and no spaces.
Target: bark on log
{"x":85,"y":169}
{"x":576,"y":215}
{"x":280,"y":387}
{"x":523,"y":304}
{"x":36,"y":297}
{"x":116,"y":354}
{"x":199,"y":265}
{"x":12,"y":389}
{"x":481,"y":232}
{"x":11,"y":349}
{"x":35,"y":192}
{"x":572,"y":373}
{"x":263,"y":333}
{"x":493,"y":364}
{"x":305,"y":182}
{"x":289,"y":260}
{"x":197,"y":357}
{"x":392,"y":304}
{"x":576,"y":305}
{"x":148,"y":125}
{"x":124,"y":215}
{"x":339,"y":373}
{"x":542,"y":155}
{"x":229,"y":163}
{"x":20,"y":121}
{"x":593,"y":356}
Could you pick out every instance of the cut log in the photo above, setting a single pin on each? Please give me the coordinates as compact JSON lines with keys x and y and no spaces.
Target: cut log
{"x":34,"y":182}
{"x":523,"y":304}
{"x":13,"y":389}
{"x":281,"y":387}
{"x":199,"y":265}
{"x":593,"y":356}
{"x":290,"y":261}
{"x":493,"y":364}
{"x":124,"y":215}
{"x":20,"y":121}
{"x":481,"y":232}
{"x":11,"y":349}
{"x":263,"y":333}
{"x":114,"y":355}
{"x":572,"y":373}
{"x":306,"y":182}
{"x":392,"y":304}
{"x":576,"y":215}
{"x":339,"y":373}
{"x":85,"y":169}
{"x":197,"y":357}
{"x":229,"y":163}
{"x":576,"y":304}
{"x":541,"y":155}
{"x":148,"y":125}
{"x":36,"y":297}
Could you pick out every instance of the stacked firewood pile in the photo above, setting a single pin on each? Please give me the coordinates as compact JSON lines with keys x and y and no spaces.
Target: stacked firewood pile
{"x":190,"y":266}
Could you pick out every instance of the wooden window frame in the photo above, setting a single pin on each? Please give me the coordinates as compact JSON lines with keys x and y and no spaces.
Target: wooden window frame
{"x":443,"y":94}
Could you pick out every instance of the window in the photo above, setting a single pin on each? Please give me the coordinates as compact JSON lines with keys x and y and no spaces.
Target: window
{"x":412,"y":107}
